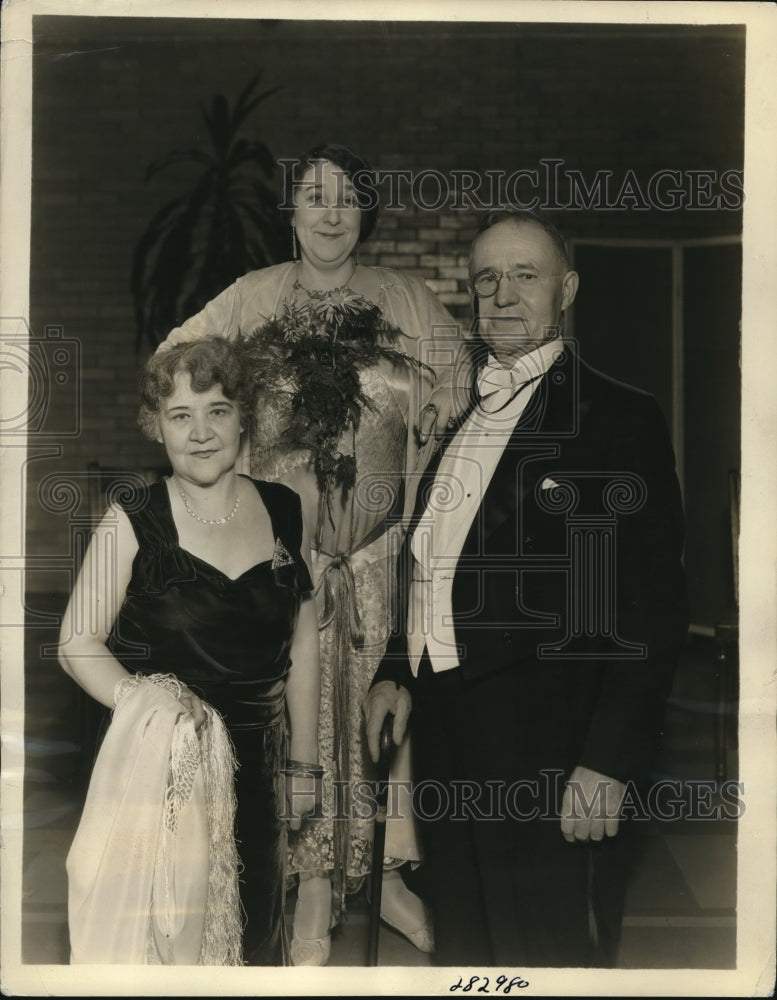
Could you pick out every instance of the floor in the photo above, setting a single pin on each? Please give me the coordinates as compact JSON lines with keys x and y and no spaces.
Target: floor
{"x":681,"y":901}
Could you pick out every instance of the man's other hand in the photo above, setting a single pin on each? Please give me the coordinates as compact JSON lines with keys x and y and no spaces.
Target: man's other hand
{"x":591,"y":806}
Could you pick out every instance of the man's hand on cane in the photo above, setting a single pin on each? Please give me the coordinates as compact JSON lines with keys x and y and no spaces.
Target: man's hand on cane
{"x":386,"y":697}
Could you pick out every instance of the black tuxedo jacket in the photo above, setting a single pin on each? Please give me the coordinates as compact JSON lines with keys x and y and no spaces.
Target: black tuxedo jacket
{"x":571,"y":573}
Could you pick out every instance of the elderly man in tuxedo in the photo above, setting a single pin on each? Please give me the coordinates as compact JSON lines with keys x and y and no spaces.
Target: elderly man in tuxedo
{"x":543,"y":608}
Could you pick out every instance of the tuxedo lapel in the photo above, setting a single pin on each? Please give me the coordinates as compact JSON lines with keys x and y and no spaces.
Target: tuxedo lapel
{"x":548,"y":416}
{"x":430,"y":472}
{"x":405,"y":559}
{"x":552,"y":410}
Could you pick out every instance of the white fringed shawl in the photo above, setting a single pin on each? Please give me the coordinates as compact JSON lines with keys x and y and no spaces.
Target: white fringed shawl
{"x":153,"y":867}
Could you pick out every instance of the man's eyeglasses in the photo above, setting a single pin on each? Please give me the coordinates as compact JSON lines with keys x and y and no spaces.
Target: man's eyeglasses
{"x":485,"y":283}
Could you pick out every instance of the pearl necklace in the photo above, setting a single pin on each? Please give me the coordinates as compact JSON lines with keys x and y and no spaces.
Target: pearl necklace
{"x":204,"y":520}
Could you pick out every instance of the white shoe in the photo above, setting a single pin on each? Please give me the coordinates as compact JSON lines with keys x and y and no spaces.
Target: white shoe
{"x":422,"y":937}
{"x":405,"y":912}
{"x":310,"y":951}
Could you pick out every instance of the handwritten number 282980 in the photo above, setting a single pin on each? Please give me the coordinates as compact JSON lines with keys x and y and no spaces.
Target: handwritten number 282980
{"x":501,"y":984}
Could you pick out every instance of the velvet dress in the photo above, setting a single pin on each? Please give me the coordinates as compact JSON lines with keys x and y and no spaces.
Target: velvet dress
{"x":229,"y":640}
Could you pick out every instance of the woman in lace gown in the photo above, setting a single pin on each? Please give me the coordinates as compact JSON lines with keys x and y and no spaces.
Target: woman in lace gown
{"x":356,"y":529}
{"x":205,"y":576}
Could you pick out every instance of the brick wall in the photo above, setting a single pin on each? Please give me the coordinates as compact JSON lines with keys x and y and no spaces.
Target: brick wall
{"x":111,"y":95}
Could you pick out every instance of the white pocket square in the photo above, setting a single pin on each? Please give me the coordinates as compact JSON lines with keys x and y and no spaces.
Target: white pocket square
{"x":548,"y":484}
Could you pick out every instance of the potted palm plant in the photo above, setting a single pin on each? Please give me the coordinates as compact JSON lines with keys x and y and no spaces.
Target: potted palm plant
{"x":226,"y":224}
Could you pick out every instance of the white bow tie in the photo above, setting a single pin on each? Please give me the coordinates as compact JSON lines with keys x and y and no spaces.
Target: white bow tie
{"x":497,"y":386}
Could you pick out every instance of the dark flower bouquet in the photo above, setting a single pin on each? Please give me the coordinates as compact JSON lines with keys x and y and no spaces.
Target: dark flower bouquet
{"x":312,"y":354}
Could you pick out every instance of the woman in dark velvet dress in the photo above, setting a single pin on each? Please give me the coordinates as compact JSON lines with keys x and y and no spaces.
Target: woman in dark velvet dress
{"x":212,"y":584}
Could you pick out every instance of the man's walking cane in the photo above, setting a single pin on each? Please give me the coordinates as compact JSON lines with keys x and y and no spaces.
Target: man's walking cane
{"x":379,"y":838}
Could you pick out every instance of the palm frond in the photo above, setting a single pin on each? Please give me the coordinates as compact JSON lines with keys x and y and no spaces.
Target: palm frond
{"x":228,"y":223}
{"x":218,"y":125}
{"x":262,"y":199}
{"x":177,"y":156}
{"x":269,"y":237}
{"x":246,"y":151}
{"x":245,"y":93}
{"x":145,"y":244}
{"x":257,"y":213}
{"x":245,"y":104}
{"x":167,"y":272}
{"x":213,"y":270}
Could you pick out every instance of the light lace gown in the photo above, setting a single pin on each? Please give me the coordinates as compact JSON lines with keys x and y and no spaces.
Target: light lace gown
{"x":356,"y":547}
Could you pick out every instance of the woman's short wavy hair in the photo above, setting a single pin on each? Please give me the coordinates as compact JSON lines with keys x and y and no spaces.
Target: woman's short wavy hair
{"x":213,"y":360}
{"x":355,"y":168}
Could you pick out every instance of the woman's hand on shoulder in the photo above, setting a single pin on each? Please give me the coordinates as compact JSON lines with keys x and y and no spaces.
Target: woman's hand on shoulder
{"x":437,"y":415}
{"x":447,"y":401}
